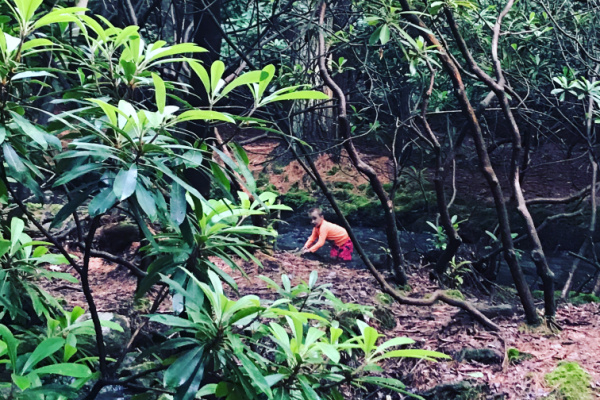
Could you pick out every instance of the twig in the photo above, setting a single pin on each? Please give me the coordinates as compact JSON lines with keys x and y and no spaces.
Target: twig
{"x":112,"y":258}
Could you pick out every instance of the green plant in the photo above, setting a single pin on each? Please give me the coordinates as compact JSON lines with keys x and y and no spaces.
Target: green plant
{"x":457,"y":270}
{"x":274,"y":350}
{"x":570,"y":381}
{"x":22,"y":260}
{"x":28,"y":372}
{"x":440,"y":239}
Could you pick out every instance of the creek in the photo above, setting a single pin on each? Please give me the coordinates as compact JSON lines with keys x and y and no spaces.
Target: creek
{"x":293,"y":235}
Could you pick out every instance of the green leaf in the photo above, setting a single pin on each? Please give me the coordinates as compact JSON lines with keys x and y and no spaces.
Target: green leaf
{"x":65,"y":369}
{"x":204,"y":115}
{"x":146,"y":202}
{"x":202,"y":74}
{"x":307,"y":390}
{"x":375,"y":36}
{"x":216,"y":72}
{"x":125,"y":182}
{"x":13,"y":160}
{"x":244,"y":79}
{"x":160,"y":92}
{"x":178,"y":203}
{"x":330,"y":351}
{"x":414,"y":353}
{"x":399,"y":341}
{"x":181,"y":370}
{"x":45,"y":349}
{"x":370,"y":337}
{"x":11,"y":343}
{"x":16,"y":229}
{"x":384,"y":34}
{"x":22,"y":382}
{"x":254,"y":373}
{"x":76,"y":172}
{"x":312,"y":279}
{"x":102,"y":202}
{"x":4,"y":246}
{"x":220,"y":175}
{"x":300,"y":95}
{"x":59,"y":15}
{"x":70,"y":347}
{"x":266,"y":76}
{"x":71,"y":207}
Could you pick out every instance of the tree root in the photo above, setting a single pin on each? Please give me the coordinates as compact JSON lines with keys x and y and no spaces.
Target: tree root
{"x":552,"y":324}
{"x":438,"y":295}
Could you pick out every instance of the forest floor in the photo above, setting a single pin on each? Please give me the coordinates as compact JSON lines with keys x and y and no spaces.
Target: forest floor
{"x":440,"y":327}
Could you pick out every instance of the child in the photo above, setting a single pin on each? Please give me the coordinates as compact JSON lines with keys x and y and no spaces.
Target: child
{"x":342,"y":247}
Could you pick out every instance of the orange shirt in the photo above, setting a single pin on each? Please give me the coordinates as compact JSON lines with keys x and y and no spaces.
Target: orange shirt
{"x":327,"y":231}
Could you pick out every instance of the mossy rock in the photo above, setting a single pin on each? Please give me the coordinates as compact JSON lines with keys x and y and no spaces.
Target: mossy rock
{"x":386,"y":318}
{"x":463,"y":390}
{"x":571,"y":382}
{"x":516,"y":357}
{"x":484,"y":356}
{"x":116,"y":238}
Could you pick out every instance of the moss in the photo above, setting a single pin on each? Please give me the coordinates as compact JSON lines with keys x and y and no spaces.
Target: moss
{"x":455,"y":293}
{"x":262,"y":180}
{"x":333,"y":171}
{"x":583,"y":298}
{"x":571,"y":382}
{"x":574,"y":297}
{"x":386,"y":318}
{"x":363,"y":187}
{"x":298,"y":199}
{"x":516,"y":357}
{"x":384,"y":298}
{"x":344,"y":185}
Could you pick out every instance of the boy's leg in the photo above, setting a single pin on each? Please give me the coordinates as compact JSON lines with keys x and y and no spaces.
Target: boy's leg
{"x":346,"y":251}
{"x":335,"y":252}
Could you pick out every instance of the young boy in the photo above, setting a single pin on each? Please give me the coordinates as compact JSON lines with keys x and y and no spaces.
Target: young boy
{"x":342,"y":247}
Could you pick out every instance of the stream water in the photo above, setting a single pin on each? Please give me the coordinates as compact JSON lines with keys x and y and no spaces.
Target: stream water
{"x":293,"y":236}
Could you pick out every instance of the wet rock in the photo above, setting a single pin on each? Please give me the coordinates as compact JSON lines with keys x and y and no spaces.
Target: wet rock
{"x":114,"y":339}
{"x":484,"y":356}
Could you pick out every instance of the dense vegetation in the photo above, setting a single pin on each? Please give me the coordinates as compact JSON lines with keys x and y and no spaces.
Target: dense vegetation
{"x":136,"y":110}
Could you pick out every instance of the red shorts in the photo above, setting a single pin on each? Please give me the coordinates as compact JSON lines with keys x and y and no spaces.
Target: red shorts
{"x":343,"y":253}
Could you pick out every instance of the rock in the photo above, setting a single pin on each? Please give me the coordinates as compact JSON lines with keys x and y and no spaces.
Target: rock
{"x":114,"y":341}
{"x":463,"y":390}
{"x":116,"y":238}
{"x":502,"y":310}
{"x":484,"y":356}
{"x":386,"y":318}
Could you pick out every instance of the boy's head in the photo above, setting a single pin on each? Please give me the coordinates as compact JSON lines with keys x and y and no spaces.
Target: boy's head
{"x":316,"y":216}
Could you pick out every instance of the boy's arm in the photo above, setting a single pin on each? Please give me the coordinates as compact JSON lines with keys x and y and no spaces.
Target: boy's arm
{"x":322,"y":237}
{"x":312,"y":238}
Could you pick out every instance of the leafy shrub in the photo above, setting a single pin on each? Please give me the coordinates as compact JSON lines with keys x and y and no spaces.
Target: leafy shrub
{"x":254,"y":348}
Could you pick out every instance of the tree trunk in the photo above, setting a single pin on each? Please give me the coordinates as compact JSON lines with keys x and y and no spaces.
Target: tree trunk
{"x":346,"y":134}
{"x":485,"y":165}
